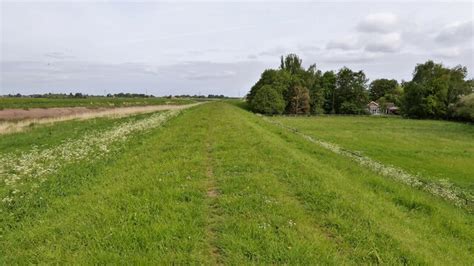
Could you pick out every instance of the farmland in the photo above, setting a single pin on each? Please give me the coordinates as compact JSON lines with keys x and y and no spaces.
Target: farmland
{"x":89,"y":102}
{"x":216,"y":184}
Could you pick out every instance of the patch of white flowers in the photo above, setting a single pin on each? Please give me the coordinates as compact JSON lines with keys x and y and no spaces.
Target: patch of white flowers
{"x":443,"y":188}
{"x":34,"y":166}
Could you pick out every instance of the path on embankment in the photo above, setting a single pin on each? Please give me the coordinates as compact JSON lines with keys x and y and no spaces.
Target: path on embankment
{"x":220,"y":185}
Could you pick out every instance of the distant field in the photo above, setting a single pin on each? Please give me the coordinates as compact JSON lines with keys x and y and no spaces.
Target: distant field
{"x":215,"y":184}
{"x":432,"y":149}
{"x":7,"y":103}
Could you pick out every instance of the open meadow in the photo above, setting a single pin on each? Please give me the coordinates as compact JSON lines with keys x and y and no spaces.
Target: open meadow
{"x":217,"y":184}
{"x":89,"y":102}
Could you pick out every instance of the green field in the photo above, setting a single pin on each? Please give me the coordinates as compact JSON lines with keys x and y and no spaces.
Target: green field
{"x":90,"y":102}
{"x":435,"y":150}
{"x":216,"y":184}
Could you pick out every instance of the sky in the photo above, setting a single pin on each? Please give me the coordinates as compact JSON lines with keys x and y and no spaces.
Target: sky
{"x":163,"y":48}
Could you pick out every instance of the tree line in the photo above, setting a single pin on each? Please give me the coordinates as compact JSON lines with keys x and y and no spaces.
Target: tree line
{"x":435,"y":91}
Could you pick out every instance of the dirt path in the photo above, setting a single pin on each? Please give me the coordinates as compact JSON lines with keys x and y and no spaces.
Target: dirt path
{"x":16,"y":120}
{"x":212,"y":198}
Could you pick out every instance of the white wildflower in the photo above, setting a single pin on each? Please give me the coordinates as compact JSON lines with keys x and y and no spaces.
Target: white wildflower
{"x":443,"y":188}
{"x":37,"y":164}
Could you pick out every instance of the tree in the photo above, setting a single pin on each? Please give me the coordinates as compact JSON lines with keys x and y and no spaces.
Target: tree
{"x":279,"y":80}
{"x":350,"y":92}
{"x":328,"y":86}
{"x":291,"y":63}
{"x":381,"y":87}
{"x":464,"y":109}
{"x":433,"y":89}
{"x":298,"y":100}
{"x":268,"y":101}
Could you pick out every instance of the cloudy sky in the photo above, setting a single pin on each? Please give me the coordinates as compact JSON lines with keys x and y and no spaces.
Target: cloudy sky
{"x":219,"y":48}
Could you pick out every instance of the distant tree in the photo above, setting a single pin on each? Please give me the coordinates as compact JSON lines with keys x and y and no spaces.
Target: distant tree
{"x":291,"y":63}
{"x":328,"y":85}
{"x":299,"y":100}
{"x":381,"y":87}
{"x":350,"y":92}
{"x":279,"y":80}
{"x":268,"y":101}
{"x":433,"y":89}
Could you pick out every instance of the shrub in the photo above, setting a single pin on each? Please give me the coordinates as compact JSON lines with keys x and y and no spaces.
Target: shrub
{"x":464,"y":109}
{"x":352,"y":109}
{"x":268,"y":101}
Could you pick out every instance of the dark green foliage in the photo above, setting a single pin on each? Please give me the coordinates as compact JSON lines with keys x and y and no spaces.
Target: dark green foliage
{"x":350,"y":94}
{"x":268,"y":101}
{"x":278,"y":79}
{"x":381,"y":87}
{"x":433,"y":89}
{"x":328,"y":83}
{"x":351,"y":108}
{"x":291,"y":63}
{"x":310,"y":91}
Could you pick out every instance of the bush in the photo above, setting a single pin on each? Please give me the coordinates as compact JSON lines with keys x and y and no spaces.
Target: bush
{"x":351,"y":108}
{"x":464,"y":109}
{"x":268,"y":101}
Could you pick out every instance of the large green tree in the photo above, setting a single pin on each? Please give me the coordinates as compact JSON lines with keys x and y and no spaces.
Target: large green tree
{"x":291,"y":63}
{"x":351,"y":92}
{"x":381,"y":87}
{"x":279,"y":80}
{"x":433,"y":89}
{"x":268,"y":101}
{"x":328,"y":85}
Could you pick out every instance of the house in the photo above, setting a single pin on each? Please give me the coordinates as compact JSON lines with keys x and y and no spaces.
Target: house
{"x":373,"y":108}
{"x":391,"y":109}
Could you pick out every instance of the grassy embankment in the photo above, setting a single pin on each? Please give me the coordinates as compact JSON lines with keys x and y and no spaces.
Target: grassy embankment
{"x":90,"y":102}
{"x":432,"y":149}
{"x":217,"y":184}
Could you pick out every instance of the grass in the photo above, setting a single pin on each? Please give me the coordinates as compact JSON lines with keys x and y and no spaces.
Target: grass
{"x":49,"y":136}
{"x":217,"y":184}
{"x":90,"y":102}
{"x":431,"y":149}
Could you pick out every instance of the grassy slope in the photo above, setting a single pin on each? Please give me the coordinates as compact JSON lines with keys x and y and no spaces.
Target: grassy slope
{"x":220,"y":185}
{"x":46,"y":135}
{"x":433,"y":149}
{"x":7,"y":103}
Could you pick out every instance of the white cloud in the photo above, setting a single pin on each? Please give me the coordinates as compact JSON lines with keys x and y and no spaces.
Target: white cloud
{"x":220,"y":74}
{"x":386,"y":43}
{"x":58,"y":55}
{"x":449,"y":52}
{"x":456,"y":32}
{"x":380,"y":22}
{"x":185,"y":48}
{"x":344,"y":43}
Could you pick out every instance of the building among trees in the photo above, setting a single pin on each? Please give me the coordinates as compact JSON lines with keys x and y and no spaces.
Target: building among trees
{"x":373,"y":108}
